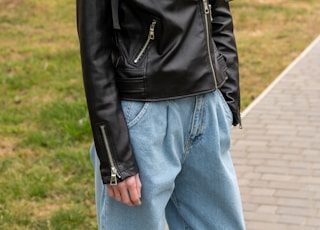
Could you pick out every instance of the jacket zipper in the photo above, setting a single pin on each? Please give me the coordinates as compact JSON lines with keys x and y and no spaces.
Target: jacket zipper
{"x":208,"y":16}
{"x":114,"y":171}
{"x":210,"y":12}
{"x":146,"y":44}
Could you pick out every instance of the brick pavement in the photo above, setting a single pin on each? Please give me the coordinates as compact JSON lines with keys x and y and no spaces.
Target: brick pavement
{"x":277,"y":153}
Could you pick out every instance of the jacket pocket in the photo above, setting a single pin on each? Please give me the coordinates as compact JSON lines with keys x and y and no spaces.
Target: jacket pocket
{"x":221,"y":68}
{"x":146,"y":44}
{"x":134,"y":111}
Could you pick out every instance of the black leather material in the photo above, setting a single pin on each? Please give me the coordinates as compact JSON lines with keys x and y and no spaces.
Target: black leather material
{"x":179,"y":59}
{"x":224,"y":41}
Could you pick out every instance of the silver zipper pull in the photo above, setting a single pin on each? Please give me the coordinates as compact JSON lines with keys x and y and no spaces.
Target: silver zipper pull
{"x":113,"y":178}
{"x":206,"y":7}
{"x":210,"y":13}
{"x":151,"y":30}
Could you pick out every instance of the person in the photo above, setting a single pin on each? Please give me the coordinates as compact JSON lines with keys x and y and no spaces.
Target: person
{"x":162,"y":87}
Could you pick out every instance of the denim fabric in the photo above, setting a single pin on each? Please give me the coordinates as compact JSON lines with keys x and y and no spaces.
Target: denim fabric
{"x":187,"y":175}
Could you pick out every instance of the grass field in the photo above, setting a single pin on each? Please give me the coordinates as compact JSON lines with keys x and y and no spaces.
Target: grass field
{"x":270,"y":34}
{"x":45,"y":173}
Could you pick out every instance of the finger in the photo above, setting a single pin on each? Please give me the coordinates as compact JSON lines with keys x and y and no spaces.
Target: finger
{"x":110,"y":191}
{"x":134,"y":187}
{"x":139,"y":185}
{"x":123,"y":189}
{"x":114,"y":192}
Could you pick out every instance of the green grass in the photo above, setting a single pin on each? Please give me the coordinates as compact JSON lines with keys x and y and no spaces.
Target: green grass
{"x":45,"y":172}
{"x":46,"y":178}
{"x":270,"y":34}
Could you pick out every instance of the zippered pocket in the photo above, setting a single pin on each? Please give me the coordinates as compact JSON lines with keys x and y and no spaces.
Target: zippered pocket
{"x":150,"y":38}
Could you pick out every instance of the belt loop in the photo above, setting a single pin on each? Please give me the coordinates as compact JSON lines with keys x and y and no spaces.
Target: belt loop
{"x":115,"y":14}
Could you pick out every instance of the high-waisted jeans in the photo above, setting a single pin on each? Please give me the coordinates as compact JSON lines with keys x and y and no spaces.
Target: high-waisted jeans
{"x":188,"y":179}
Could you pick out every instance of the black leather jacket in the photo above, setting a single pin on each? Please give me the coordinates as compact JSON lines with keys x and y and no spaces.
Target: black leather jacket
{"x":149,"y":50}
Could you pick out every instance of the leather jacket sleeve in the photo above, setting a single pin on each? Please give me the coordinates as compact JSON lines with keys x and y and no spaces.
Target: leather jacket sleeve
{"x":223,"y":36}
{"x":110,"y":132}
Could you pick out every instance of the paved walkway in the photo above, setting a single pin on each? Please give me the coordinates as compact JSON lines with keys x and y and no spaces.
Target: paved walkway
{"x":277,"y":153}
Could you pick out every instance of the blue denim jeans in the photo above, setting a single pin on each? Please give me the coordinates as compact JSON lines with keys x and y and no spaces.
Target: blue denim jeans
{"x":182,"y":150}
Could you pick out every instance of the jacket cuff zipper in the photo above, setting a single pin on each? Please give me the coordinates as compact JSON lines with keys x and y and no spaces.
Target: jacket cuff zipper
{"x":114,"y":171}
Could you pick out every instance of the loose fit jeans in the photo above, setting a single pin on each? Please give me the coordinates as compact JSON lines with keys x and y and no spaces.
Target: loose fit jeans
{"x":188,"y":179}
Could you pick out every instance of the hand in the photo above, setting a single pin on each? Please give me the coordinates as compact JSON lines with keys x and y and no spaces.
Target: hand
{"x":127,"y":191}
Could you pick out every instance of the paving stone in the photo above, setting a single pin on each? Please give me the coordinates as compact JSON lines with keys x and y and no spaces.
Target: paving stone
{"x":267,"y":209}
{"x":259,"y":225}
{"x":258,"y":183}
{"x":295,"y":211}
{"x":271,"y":169}
{"x":295,"y":202}
{"x":291,"y":185}
{"x":277,"y":177}
{"x":299,"y":194}
{"x":262,"y":217}
{"x":263,"y":191}
{"x":293,"y":220}
{"x":262,"y":200}
{"x":314,"y":222}
{"x":300,"y":227}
